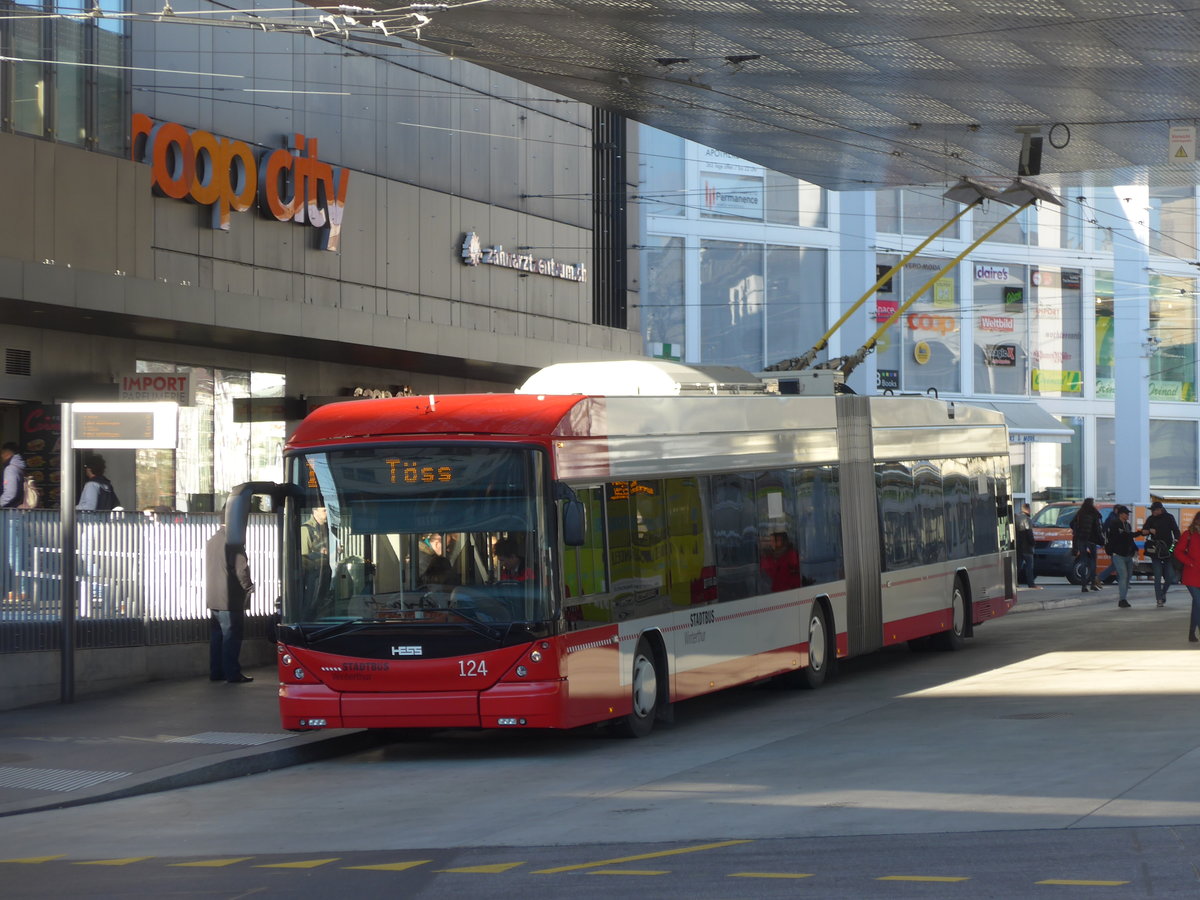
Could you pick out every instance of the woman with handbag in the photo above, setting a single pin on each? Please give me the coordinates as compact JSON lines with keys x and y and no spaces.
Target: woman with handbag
{"x":1187,"y":551}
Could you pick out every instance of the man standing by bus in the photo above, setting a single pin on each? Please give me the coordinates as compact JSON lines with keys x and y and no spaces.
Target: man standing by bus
{"x":1026,"y":560}
{"x":228,"y":588}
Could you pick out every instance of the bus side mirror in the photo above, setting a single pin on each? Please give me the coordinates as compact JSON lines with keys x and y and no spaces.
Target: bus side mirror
{"x":574,"y":523}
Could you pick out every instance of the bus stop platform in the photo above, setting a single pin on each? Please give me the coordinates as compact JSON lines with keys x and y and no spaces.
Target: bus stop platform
{"x":154,"y":737}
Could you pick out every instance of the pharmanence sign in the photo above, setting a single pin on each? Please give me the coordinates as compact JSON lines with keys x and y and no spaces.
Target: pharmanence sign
{"x":289,"y":184}
{"x":475,"y":254}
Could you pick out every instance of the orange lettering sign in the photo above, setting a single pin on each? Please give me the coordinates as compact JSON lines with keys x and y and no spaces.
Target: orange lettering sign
{"x":289,"y":184}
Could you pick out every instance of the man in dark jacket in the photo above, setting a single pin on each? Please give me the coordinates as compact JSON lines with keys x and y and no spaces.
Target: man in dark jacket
{"x":1162,"y":531}
{"x":12,"y":494}
{"x":1118,"y":541}
{"x":1026,"y":560}
{"x":227,"y":588}
{"x":1086,"y":534}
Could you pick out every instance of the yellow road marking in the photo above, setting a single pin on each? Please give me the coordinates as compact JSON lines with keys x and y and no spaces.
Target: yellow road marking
{"x":211,"y":863}
{"x":490,"y":869}
{"x":631,"y":872}
{"x":640,"y":856}
{"x":923,"y":878}
{"x":392,"y":867}
{"x":770,"y":875}
{"x":302,"y":864}
{"x":1081,"y":883}
{"x":113,"y":862}
{"x":31,"y":860}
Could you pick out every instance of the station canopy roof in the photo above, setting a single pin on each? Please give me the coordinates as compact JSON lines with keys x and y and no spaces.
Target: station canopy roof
{"x":854,"y":94}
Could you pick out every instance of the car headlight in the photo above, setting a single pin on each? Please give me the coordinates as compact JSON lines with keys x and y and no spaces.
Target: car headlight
{"x":1060,"y":545}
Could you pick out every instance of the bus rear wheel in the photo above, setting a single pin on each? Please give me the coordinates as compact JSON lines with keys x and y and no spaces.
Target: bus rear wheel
{"x":954,"y":637}
{"x":644,"y":693}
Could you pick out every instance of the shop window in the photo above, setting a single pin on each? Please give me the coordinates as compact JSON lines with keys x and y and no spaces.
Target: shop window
{"x":1173,"y":452}
{"x":662,"y":297}
{"x":1055,"y":314}
{"x":661,"y":173}
{"x":795,"y":301}
{"x":1172,"y":333}
{"x":213,"y":453}
{"x":732,"y":304}
{"x":1001,"y":329}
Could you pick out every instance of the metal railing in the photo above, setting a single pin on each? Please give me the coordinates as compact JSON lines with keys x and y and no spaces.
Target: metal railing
{"x":139,"y":579}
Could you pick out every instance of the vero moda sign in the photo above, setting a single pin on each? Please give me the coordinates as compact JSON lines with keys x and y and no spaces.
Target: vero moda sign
{"x":290,"y":184}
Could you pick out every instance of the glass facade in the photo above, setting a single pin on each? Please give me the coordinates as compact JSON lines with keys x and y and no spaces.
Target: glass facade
{"x":48,"y":87}
{"x":213,"y":453}
{"x":745,"y":279}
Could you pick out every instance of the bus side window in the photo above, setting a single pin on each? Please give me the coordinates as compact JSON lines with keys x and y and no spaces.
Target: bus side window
{"x":734,"y":527}
{"x":819,"y":518}
{"x":584,"y":570}
{"x":687,"y":547}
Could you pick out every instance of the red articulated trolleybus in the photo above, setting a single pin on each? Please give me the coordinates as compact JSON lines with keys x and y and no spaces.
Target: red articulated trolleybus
{"x":615,"y":537}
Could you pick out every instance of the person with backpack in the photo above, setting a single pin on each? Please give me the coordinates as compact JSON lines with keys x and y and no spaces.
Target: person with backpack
{"x":98,"y":493}
{"x":1162,"y":533}
{"x":1119,"y":544}
{"x":13,"y":493}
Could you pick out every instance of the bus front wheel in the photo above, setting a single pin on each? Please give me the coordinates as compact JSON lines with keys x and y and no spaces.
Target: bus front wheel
{"x":644,"y":693}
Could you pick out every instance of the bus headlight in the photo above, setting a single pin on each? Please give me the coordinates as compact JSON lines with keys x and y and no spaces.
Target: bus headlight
{"x":522,"y":671}
{"x":286,"y":659}
{"x":299,"y":674}
{"x":536,"y":656}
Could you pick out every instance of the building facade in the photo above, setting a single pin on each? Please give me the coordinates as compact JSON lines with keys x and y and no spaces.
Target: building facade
{"x":284,"y":218}
{"x":1063,"y":307}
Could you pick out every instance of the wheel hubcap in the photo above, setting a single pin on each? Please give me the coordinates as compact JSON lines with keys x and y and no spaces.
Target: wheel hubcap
{"x":816,"y":644}
{"x":645,"y":687}
{"x":960,"y":615}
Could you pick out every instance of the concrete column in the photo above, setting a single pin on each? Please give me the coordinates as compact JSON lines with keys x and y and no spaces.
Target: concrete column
{"x":855,"y":261}
{"x":1131,"y":323}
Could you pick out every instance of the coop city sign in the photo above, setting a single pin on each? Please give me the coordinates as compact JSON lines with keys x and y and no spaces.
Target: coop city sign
{"x":289,"y":184}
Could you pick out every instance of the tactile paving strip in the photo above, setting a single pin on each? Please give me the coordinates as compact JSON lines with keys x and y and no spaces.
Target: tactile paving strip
{"x":228,"y":737}
{"x":53,"y":779}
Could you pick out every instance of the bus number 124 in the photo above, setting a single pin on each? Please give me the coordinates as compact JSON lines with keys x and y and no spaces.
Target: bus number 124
{"x":470,"y":668}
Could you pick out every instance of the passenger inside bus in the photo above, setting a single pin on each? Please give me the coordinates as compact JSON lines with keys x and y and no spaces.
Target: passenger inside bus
{"x":780,"y":563}
{"x":512,"y":563}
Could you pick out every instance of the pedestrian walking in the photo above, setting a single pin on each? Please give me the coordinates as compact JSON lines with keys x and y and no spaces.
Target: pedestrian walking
{"x":1119,"y":544}
{"x":1085,"y":536}
{"x":228,"y":588}
{"x":1026,"y":570}
{"x":1187,"y":551}
{"x":97,"y":493}
{"x":1162,"y":533}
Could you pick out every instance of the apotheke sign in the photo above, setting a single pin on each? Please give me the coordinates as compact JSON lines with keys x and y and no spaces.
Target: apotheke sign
{"x":474,"y":254}
{"x":289,"y":185}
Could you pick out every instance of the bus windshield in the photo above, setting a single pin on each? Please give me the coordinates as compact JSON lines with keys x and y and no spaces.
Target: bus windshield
{"x":416,"y":533}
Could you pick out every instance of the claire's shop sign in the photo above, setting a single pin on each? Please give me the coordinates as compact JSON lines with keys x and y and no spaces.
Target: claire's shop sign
{"x":289,"y":185}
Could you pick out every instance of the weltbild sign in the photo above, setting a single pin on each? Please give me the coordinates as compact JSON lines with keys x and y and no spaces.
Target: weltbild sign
{"x":289,"y":185}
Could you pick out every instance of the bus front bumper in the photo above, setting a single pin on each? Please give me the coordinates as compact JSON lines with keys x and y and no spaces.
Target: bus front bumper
{"x":537,"y":704}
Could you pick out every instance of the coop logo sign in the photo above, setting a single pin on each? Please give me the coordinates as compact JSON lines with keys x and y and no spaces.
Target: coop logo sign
{"x":474,"y":254}
{"x":289,"y":185}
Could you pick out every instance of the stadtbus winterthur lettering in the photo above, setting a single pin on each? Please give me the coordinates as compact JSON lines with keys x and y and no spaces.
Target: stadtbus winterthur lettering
{"x":288,"y":184}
